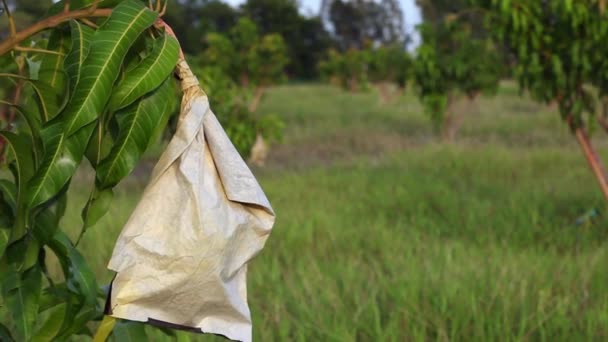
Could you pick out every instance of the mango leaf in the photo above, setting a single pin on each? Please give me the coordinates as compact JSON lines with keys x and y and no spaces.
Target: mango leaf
{"x":137,"y":124}
{"x":51,"y":326}
{"x":105,"y":328}
{"x":102,"y":65}
{"x":51,"y":65}
{"x":53,"y":296}
{"x":129,"y":332}
{"x":81,"y":42}
{"x":78,"y":325}
{"x":97,"y":206}
{"x":23,"y":302}
{"x":23,"y":253}
{"x":9,"y":193}
{"x":100,"y":144}
{"x":46,"y":220}
{"x":62,"y":157}
{"x":24,"y":164}
{"x":49,"y":99}
{"x":79,"y":277}
{"x":5,"y":334}
{"x":32,"y":122}
{"x":148,"y":74}
{"x":7,"y":214}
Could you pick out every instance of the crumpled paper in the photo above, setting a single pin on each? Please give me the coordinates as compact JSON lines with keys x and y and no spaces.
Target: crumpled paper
{"x":182,"y":257}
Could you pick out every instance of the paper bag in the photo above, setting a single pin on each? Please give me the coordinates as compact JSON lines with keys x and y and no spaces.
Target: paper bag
{"x":182,"y":257}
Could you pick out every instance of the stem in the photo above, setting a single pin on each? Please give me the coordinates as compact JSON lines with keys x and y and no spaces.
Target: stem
{"x":30,"y":49}
{"x":11,"y":20}
{"x":10,"y":43}
{"x":257,"y":97}
{"x":593,"y":159}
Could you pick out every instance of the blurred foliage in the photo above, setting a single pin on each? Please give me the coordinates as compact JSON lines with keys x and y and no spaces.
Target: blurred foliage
{"x":559,"y":47}
{"x":235,"y":69}
{"x":451,"y":62}
{"x":356,"y":69}
{"x":357,"y":22}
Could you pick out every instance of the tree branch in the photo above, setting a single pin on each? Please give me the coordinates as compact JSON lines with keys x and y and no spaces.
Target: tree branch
{"x":10,"y":43}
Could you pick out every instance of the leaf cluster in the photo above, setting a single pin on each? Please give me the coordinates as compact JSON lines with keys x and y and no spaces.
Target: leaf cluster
{"x":103,"y":94}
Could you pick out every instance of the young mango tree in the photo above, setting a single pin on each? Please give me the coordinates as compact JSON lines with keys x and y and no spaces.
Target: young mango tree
{"x":244,"y":65}
{"x":331,"y":67}
{"x":96,"y":85}
{"x":349,"y":69}
{"x":560,"y":49}
{"x":389,"y":65}
{"x":253,"y":61}
{"x":451,"y":63}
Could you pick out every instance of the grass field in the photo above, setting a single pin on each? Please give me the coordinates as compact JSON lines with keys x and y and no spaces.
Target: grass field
{"x":386,"y":234}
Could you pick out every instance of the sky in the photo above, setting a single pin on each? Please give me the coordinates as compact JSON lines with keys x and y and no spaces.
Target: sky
{"x":410,"y":11}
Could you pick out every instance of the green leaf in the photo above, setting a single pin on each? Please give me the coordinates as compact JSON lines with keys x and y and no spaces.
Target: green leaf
{"x":99,"y":145}
{"x":49,"y":100}
{"x":5,"y":334}
{"x":46,"y":221}
{"x":24,"y":164}
{"x":79,"y":277}
{"x":78,"y":325}
{"x":102,"y":65}
{"x":62,"y":157}
{"x":24,"y":161}
{"x":137,"y":123}
{"x":33,"y":124}
{"x":51,"y":326}
{"x":51,"y":66}
{"x":23,"y":253}
{"x":129,"y":332}
{"x":81,"y":42}
{"x":23,"y":302}
{"x":97,"y":206}
{"x":148,"y":74}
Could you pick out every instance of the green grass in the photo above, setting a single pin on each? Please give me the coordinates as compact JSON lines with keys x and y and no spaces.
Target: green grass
{"x":385,"y":234}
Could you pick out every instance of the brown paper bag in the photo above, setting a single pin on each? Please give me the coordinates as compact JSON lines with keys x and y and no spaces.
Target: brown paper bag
{"x":182,"y":256}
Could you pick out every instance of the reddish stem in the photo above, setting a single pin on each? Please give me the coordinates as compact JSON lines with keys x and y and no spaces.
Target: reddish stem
{"x":593,"y":159}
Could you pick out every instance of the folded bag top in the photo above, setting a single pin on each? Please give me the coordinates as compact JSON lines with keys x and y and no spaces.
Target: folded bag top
{"x":181,"y":258}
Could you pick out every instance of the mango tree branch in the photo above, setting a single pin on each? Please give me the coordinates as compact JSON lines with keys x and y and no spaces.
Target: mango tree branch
{"x":16,"y":38}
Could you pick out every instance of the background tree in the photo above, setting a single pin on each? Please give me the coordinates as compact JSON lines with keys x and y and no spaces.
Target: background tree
{"x":239,"y":67}
{"x":560,"y":48}
{"x":356,"y":22}
{"x":449,"y":63}
{"x":389,"y":65}
{"x":305,"y":37}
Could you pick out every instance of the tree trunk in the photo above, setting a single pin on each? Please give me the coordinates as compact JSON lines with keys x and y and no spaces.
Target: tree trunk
{"x":257,"y":98}
{"x":384,"y":92}
{"x":602,"y":118}
{"x":447,"y":132}
{"x":353,"y":85}
{"x":259,"y":151}
{"x":244,"y":80}
{"x":593,"y":159}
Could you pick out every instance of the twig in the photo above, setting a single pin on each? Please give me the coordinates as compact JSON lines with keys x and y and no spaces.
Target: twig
{"x":89,"y":23}
{"x":164,"y":10}
{"x":49,"y":22}
{"x":19,"y":77}
{"x":30,"y":49}
{"x":11,"y":20}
